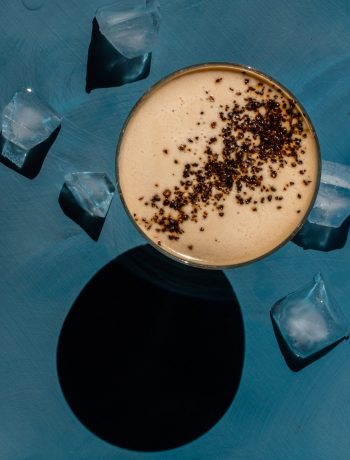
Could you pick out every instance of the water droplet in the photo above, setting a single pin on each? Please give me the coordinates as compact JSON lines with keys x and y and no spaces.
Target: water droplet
{"x":33,"y":4}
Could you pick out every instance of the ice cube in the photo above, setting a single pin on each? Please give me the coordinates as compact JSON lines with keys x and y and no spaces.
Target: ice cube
{"x":13,"y":153}
{"x":106,"y":67}
{"x":85,"y":198}
{"x":322,"y":238}
{"x":309,"y":320}
{"x":332,"y":204}
{"x":92,"y":191}
{"x":27,"y":120}
{"x":131,"y":26}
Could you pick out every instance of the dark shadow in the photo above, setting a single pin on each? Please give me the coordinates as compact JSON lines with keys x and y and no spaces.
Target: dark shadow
{"x":106,"y":67}
{"x":91,"y":224}
{"x":321,"y":238}
{"x":35,"y":157}
{"x":294,"y":362}
{"x":150,"y":355}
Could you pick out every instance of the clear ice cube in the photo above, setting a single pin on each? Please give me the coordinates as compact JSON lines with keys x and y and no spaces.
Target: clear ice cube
{"x":131,"y":26}
{"x":27,"y":120}
{"x":309,"y":320}
{"x":92,"y":191}
{"x":13,"y":153}
{"x":332,"y":204}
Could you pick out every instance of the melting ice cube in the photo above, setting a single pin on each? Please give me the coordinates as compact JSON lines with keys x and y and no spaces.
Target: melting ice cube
{"x":15,"y":154}
{"x":309,"y":320}
{"x":85,"y":198}
{"x":332,"y":205}
{"x":92,"y":191}
{"x":27,"y":120}
{"x":131,"y":26}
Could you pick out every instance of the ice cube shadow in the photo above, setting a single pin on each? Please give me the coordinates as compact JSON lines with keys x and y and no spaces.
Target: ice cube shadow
{"x":150,"y":355}
{"x":92,"y":225}
{"x":106,"y":67}
{"x":322,"y":238}
{"x":35,"y":157}
{"x":294,"y":362}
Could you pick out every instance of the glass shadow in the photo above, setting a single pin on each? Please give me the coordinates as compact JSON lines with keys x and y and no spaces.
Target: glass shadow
{"x":151,"y":353}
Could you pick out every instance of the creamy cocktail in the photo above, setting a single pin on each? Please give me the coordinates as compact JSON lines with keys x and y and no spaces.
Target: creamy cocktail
{"x":218,"y":165}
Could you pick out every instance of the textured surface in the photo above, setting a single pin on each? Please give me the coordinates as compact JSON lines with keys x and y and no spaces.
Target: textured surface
{"x":46,"y":259}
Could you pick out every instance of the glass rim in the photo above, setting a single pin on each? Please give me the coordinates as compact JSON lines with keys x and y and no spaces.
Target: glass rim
{"x":193,"y":68}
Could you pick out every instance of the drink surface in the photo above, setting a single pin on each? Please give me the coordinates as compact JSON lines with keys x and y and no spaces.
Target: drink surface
{"x":218,"y":165}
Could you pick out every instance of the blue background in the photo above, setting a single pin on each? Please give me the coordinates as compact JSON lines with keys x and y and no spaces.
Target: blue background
{"x":46,"y":259}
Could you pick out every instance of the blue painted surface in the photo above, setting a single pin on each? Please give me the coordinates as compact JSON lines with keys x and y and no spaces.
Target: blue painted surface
{"x":46,"y":259}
